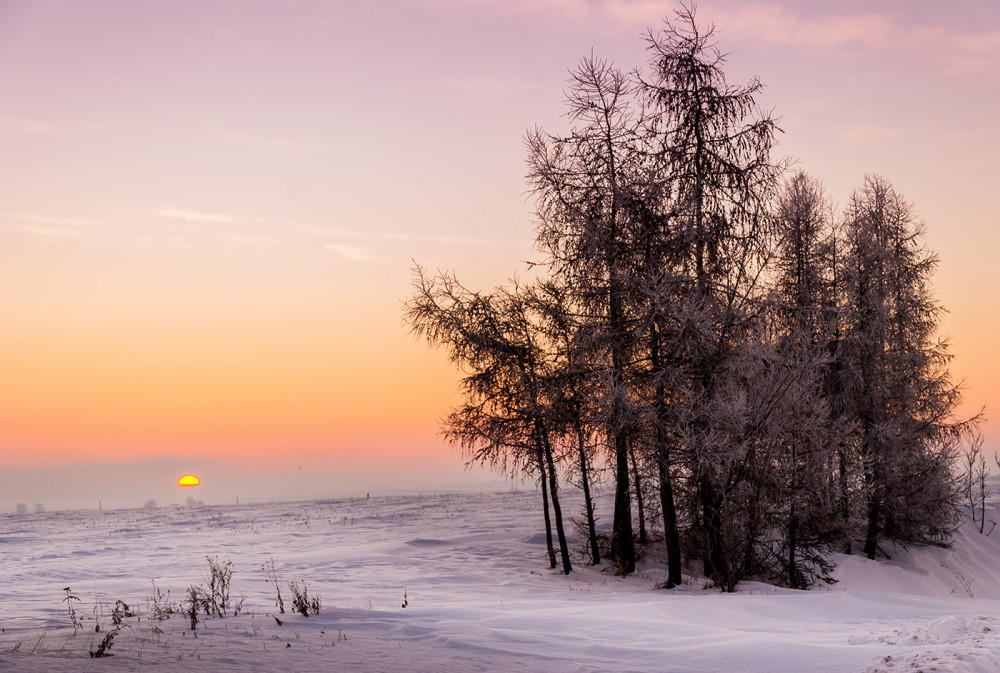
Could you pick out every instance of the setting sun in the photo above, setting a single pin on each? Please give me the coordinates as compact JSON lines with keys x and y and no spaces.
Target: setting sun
{"x":188,"y":480}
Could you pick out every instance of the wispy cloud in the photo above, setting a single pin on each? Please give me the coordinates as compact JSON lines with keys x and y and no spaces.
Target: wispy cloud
{"x":47,"y":227}
{"x":494,"y":87}
{"x":51,"y":220}
{"x":359,"y":245}
{"x":403,"y":237}
{"x":29,"y":126}
{"x":258,"y":243}
{"x":187,"y":229}
{"x":946,"y":46}
{"x":867,"y":134}
{"x":356,"y":253}
{"x":612,"y":14}
{"x":197,"y":217}
{"x":45,"y":233}
{"x":150,"y":242}
{"x":240,"y":138}
{"x":783,"y":24}
{"x":774,"y":24}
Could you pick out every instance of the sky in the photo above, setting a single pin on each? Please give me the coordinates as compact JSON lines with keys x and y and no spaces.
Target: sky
{"x":209,"y":212}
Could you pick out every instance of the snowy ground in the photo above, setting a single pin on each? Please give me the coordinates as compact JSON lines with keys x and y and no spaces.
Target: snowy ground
{"x":479,"y":597}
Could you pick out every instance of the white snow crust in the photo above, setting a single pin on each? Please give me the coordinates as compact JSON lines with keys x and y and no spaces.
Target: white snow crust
{"x":479,"y":597}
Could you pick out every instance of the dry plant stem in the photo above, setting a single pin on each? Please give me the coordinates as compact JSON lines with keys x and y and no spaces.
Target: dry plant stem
{"x":271,"y":575}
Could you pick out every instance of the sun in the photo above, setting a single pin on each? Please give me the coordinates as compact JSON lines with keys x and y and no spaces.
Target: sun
{"x":188,"y":480}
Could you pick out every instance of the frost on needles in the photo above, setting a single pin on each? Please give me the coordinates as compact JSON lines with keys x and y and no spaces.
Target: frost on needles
{"x":757,"y":374}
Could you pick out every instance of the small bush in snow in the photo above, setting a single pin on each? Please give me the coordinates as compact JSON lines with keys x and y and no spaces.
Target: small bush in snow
{"x":301,"y":602}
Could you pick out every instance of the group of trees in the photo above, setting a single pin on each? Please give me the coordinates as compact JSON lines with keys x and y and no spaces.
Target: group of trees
{"x":754,"y":372}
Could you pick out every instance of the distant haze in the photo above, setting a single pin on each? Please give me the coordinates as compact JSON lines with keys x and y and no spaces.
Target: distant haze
{"x":154,"y":482}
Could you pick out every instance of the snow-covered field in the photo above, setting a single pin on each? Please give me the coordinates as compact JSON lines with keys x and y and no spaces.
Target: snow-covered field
{"x":478,"y":597}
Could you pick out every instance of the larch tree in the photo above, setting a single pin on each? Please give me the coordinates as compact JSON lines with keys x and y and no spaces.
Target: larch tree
{"x":708,"y":334}
{"x":896,"y":372}
{"x":805,"y":324}
{"x":571,"y":388}
{"x":713,"y":145}
{"x":580,"y":185}
{"x":505,"y":417}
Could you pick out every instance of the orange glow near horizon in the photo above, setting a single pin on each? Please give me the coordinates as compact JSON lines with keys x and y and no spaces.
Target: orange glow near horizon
{"x":188,"y":480}
{"x":214,"y":392}
{"x":225,"y":282}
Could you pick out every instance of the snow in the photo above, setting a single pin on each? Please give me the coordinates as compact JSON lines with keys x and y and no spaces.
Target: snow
{"x":479,"y":597}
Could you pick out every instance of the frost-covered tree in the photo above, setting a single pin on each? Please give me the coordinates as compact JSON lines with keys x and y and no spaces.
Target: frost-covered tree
{"x":804,"y":261}
{"x":895,"y":371}
{"x":811,"y":438}
{"x":710,"y":334}
{"x":713,"y":145}
{"x":581,"y":184}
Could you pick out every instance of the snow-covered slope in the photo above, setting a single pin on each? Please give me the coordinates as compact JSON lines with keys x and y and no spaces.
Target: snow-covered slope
{"x":478,"y":597}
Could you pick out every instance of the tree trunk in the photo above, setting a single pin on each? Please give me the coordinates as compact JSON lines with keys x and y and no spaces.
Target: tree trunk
{"x":595,"y":552}
{"x":667,"y":506}
{"x":670,"y":533}
{"x":845,"y":502}
{"x":715,"y":564}
{"x":545,"y":506}
{"x":557,"y":510}
{"x":793,"y":526}
{"x":871,"y":533}
{"x":622,"y":545}
{"x":638,"y":496}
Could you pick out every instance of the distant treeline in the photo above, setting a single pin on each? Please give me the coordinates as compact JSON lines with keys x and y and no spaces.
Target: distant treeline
{"x":759,"y":375}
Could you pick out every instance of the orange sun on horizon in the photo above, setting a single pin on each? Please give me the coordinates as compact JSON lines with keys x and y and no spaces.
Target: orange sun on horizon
{"x":188,"y":480}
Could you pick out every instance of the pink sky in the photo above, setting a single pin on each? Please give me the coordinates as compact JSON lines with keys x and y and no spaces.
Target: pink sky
{"x":208,"y":210}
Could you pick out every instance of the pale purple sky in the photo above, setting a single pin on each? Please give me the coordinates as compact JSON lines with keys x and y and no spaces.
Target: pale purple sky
{"x":208,"y":210}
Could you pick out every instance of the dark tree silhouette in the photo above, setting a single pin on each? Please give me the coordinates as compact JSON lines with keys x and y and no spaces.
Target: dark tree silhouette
{"x":710,"y":334}
{"x":497,"y":341}
{"x":580,"y":183}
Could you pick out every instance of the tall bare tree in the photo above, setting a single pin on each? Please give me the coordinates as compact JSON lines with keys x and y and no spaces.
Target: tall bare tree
{"x":497,"y":341}
{"x":580,"y":183}
{"x":572,"y":387}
